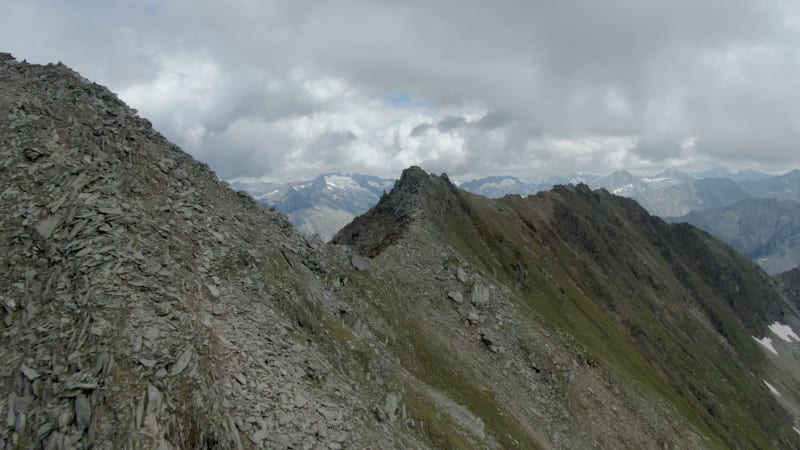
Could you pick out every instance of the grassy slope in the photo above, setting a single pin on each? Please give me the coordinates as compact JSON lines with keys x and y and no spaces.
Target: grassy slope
{"x":625,"y":285}
{"x":667,"y":308}
{"x":423,"y":351}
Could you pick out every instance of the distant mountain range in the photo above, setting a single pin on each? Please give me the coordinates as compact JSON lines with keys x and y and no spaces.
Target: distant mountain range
{"x":675,"y":193}
{"x":323,"y":205}
{"x":724,"y":203}
{"x":500,"y":186}
{"x":766,"y":230}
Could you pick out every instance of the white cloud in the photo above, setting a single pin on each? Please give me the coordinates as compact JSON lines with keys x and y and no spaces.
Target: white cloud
{"x":179,"y":97}
{"x":277,"y":88}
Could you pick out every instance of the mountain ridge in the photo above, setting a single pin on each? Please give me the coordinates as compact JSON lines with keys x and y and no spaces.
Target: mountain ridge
{"x":561,"y":202}
{"x":415,"y":196}
{"x":672,"y":193}
{"x":134,"y":290}
{"x":147,"y":304}
{"x":667,"y":194}
{"x":323,"y":205}
{"x":765,"y":230}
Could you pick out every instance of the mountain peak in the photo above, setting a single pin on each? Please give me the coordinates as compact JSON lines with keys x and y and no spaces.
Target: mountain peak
{"x":417,"y":191}
{"x":675,"y":173}
{"x":413,"y":171}
{"x":619,"y":172}
{"x":417,"y":196}
{"x":414,"y":175}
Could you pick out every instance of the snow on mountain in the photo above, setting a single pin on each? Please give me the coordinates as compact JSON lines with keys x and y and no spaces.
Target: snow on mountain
{"x":326,"y":203}
{"x":784,"y":332}
{"x":622,"y":182}
{"x":335,"y":181}
{"x":624,"y":190}
{"x":497,"y":186}
{"x":256,"y":188}
{"x":323,"y":205}
{"x":667,"y":178}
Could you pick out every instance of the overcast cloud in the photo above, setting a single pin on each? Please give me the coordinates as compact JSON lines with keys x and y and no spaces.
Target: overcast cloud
{"x":289,"y":89}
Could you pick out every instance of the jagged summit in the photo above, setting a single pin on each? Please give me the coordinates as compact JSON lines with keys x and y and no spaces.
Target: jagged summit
{"x":416,"y":197}
{"x":608,"y":251}
{"x":418,"y":193}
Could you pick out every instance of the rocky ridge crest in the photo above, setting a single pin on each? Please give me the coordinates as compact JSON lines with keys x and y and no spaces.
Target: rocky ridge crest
{"x":416,"y":198}
{"x":147,"y":305}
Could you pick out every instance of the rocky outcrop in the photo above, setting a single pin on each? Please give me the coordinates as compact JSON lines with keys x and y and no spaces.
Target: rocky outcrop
{"x":790,"y":284}
{"x":145,"y":304}
{"x":416,"y":197}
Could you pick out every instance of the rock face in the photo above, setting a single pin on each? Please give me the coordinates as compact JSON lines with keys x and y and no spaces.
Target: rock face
{"x":790,"y":284}
{"x":384,"y":224}
{"x":136,"y":286}
{"x":693,"y":195}
{"x":145,"y":304}
{"x":765,"y":230}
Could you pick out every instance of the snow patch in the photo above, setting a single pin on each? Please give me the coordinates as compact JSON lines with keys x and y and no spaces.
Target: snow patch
{"x":341,"y":182}
{"x":772,"y":389}
{"x":767,"y":343}
{"x":661,"y":182}
{"x":796,"y":430}
{"x":377,"y":185}
{"x":784,"y":332}
{"x":506,"y":183}
{"x":622,"y":189}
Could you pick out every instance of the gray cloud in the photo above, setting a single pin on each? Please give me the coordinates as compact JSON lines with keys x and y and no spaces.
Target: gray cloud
{"x":493,"y":120}
{"x":420,"y":129}
{"x":490,"y":121}
{"x":334,"y":139}
{"x":451,"y":123}
{"x":331,"y":147}
{"x":246,"y":150}
{"x":658,"y":148}
{"x":518,"y":86}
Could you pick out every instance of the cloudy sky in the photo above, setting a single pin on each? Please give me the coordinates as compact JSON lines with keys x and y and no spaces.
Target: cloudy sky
{"x":289,"y":89}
